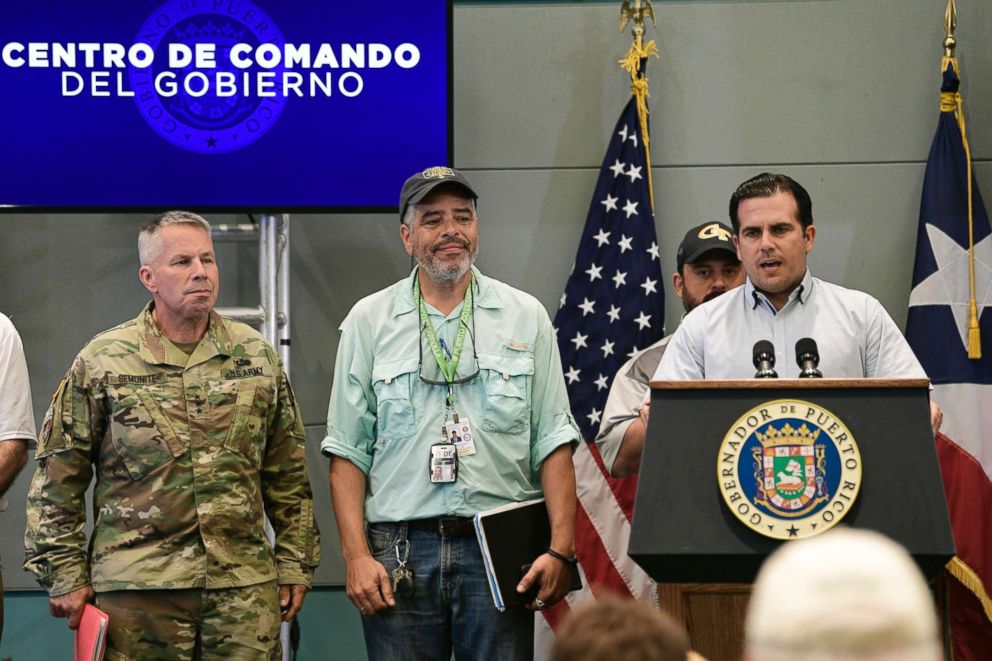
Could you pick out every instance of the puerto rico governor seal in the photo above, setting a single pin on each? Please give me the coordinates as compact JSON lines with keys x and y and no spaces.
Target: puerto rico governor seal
{"x":208,"y":111}
{"x":789,"y":469}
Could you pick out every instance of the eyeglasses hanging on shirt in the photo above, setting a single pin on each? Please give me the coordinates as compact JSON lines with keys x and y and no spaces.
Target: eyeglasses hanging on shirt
{"x":443,"y":370}
{"x":457,"y":437}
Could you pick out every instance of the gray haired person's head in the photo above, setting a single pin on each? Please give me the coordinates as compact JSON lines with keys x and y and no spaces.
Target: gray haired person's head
{"x":844,"y":595}
{"x":149,"y":246}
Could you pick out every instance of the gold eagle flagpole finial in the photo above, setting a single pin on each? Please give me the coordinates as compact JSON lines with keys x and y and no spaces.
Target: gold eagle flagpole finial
{"x":633,"y":63}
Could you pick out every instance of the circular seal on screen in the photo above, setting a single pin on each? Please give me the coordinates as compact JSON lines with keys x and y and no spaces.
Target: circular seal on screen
{"x":789,"y":469}
{"x":209,"y":109}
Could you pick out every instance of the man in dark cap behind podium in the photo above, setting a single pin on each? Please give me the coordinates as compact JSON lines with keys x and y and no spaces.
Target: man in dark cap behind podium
{"x":706,"y":267}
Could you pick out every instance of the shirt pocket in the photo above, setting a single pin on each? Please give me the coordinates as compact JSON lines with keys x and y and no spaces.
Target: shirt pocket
{"x":507,"y":380}
{"x":140,"y":430}
{"x":240,"y":412}
{"x":392,"y":382}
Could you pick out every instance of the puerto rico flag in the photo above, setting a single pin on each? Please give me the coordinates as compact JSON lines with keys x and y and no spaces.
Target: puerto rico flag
{"x":938,"y":330}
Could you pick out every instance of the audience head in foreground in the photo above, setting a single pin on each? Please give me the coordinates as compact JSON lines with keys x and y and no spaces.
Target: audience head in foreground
{"x":843,"y":595}
{"x":615,"y":629}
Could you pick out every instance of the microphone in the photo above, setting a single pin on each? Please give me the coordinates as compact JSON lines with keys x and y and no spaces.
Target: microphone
{"x":807,"y":357}
{"x":763,"y":357}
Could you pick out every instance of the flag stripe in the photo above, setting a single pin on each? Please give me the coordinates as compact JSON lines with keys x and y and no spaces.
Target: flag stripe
{"x":544,"y":637}
{"x":624,"y":489}
{"x":969,"y":498}
{"x":967,"y":411}
{"x":611,"y":532}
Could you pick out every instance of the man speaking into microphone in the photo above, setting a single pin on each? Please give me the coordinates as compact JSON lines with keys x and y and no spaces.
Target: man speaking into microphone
{"x":782,"y":302}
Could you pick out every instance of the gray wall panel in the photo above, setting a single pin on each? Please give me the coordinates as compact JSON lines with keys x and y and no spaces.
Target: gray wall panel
{"x":770,"y":82}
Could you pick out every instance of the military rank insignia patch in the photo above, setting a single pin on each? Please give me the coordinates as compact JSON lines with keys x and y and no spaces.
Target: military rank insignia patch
{"x":789,"y":469}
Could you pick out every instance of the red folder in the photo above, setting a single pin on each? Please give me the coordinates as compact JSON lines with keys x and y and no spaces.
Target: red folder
{"x":91,"y":636}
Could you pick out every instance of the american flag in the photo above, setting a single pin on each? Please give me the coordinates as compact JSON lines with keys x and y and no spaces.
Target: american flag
{"x":938,"y":331}
{"x":613,"y":305}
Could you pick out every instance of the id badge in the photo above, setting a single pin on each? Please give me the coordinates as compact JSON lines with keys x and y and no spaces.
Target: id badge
{"x":444,"y":463}
{"x":460,"y":434}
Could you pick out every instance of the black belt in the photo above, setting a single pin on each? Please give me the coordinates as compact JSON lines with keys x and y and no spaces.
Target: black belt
{"x":451,"y":526}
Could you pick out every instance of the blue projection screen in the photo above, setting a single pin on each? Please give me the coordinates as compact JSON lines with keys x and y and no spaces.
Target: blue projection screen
{"x":240,"y":105}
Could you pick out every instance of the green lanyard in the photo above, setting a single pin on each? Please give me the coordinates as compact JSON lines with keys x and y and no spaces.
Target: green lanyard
{"x":448,"y":367}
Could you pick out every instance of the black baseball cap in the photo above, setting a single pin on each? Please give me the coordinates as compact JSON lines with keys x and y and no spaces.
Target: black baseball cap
{"x":419,"y":185}
{"x":702,"y":239}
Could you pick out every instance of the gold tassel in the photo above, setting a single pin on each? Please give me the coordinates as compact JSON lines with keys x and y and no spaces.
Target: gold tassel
{"x":955,"y":103}
{"x":974,"y":335}
{"x":631,"y":63}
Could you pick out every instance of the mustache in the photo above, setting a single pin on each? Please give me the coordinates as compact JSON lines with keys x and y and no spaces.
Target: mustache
{"x":450,"y":242}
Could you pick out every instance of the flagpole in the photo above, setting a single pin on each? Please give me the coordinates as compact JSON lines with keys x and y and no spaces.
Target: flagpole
{"x":635,"y":64}
{"x":954,"y":102}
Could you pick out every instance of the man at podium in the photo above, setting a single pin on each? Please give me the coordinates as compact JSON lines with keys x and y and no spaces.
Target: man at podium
{"x":781,"y":302}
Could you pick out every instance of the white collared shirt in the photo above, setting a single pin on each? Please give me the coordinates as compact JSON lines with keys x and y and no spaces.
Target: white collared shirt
{"x":855,"y":335}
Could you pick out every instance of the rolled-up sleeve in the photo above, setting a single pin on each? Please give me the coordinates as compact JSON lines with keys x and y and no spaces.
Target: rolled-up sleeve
{"x":351,"y":419}
{"x":622,"y":407}
{"x":551,"y":418}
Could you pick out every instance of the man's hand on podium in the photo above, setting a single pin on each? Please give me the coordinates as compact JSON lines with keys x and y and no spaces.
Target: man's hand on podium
{"x":936,"y":417}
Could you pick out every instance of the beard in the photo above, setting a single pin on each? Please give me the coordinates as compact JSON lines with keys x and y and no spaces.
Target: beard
{"x":447,"y":272}
{"x":690,"y":302}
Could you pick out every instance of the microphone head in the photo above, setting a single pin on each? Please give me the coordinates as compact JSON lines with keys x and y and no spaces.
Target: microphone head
{"x":806,"y":350}
{"x":763,"y":350}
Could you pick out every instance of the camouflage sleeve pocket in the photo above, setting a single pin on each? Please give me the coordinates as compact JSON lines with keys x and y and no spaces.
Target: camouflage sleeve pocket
{"x":56,"y":429}
{"x":247,"y":432}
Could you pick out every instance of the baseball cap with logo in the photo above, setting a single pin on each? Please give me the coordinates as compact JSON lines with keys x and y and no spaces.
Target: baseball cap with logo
{"x":702,"y":239}
{"x":419,"y":185}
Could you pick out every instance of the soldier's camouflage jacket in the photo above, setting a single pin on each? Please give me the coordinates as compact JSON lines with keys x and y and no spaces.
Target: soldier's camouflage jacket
{"x":187,"y":455}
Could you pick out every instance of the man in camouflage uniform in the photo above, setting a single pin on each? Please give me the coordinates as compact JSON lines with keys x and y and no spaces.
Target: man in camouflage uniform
{"x":193,"y":432}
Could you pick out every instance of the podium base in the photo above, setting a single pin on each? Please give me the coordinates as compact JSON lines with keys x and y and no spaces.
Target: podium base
{"x":712,"y":613}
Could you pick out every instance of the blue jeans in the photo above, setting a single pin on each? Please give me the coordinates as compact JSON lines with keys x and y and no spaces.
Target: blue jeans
{"x":451,"y":609}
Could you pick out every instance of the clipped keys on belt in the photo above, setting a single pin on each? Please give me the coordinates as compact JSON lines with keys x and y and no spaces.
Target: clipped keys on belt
{"x":402,"y":575}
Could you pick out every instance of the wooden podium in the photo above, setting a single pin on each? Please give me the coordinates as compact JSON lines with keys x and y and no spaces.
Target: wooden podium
{"x":704,"y":558}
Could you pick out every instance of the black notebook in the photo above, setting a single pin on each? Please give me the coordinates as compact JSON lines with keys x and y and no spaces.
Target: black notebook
{"x":511,"y":537}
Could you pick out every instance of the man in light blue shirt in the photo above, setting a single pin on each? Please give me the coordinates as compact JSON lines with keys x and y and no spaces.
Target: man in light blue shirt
{"x":446,"y":362}
{"x":782,"y":302}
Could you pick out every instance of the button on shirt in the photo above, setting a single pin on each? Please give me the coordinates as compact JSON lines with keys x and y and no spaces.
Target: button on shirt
{"x":384,"y":419}
{"x":855,"y":336}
